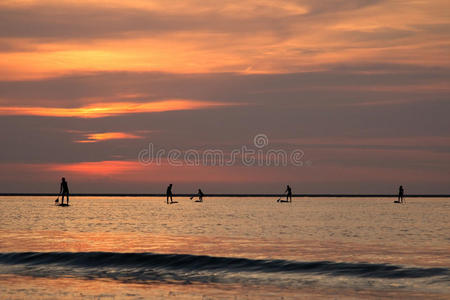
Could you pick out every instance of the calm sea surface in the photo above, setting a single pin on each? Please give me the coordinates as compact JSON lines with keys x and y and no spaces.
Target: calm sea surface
{"x":226,"y":248}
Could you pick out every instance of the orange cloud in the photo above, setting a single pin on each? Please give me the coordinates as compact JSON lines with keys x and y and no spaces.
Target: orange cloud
{"x":101,"y":168}
{"x":132,"y":172}
{"x":135,"y":172}
{"x":238,"y":36}
{"x":100,"y":110}
{"x":104,"y":136}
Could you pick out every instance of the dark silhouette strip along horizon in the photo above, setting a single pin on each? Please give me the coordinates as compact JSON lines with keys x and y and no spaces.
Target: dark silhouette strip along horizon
{"x":227,"y":195}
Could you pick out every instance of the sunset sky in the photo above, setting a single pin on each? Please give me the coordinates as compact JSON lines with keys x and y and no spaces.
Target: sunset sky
{"x":360,"y":86}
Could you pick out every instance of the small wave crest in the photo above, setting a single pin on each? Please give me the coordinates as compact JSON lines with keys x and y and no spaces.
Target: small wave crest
{"x":161,"y":267}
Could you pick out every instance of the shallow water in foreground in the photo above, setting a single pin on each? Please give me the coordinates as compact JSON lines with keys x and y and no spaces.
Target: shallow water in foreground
{"x":124,"y":247}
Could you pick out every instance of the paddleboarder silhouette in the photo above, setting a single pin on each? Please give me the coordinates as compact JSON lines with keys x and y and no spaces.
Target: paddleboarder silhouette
{"x":200,"y":195}
{"x":288,"y":194}
{"x":400,"y":194}
{"x":64,"y":190}
{"x":169,"y":194}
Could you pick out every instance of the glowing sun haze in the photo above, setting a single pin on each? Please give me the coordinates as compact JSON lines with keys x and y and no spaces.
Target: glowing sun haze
{"x":360,"y":86}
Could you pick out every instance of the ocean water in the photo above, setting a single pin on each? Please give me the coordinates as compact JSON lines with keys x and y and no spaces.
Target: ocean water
{"x":224,"y":248}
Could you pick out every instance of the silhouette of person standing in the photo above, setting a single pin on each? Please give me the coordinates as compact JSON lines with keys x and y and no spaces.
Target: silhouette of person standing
{"x":288,"y":193}
{"x":169,"y":194}
{"x":200,"y":195}
{"x":400,"y":194}
{"x":64,"y":190}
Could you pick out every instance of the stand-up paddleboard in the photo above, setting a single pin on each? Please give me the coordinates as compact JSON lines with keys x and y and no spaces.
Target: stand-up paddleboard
{"x":173,"y":202}
{"x":63,"y":204}
{"x":396,"y":201}
{"x":198,"y":201}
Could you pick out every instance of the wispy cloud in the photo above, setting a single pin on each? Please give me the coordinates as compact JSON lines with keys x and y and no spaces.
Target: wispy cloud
{"x":195,"y":36}
{"x":105,"y":136}
{"x":100,"y":110}
{"x":101,"y":168}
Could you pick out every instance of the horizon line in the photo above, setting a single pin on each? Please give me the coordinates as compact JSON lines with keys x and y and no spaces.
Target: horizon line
{"x":225,"y":195}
